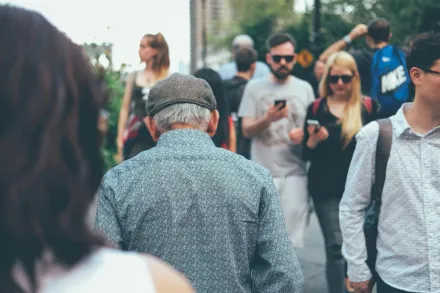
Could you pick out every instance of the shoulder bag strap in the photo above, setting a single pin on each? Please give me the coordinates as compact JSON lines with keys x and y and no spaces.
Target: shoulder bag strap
{"x":383,"y":149}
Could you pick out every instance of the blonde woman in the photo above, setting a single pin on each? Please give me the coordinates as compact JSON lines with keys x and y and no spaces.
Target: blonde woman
{"x":330,"y":128}
{"x":133,"y":136}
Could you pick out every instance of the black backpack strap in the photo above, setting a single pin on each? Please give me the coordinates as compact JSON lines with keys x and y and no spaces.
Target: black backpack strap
{"x":383,"y":149}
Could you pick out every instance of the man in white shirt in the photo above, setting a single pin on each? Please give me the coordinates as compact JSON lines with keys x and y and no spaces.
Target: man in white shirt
{"x":408,"y":242}
{"x":273,"y":111}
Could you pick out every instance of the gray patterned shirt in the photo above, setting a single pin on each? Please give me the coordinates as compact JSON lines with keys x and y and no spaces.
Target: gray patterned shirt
{"x":409,"y":224}
{"x":211,"y":214}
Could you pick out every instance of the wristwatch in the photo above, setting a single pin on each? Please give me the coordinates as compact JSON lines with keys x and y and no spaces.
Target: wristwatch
{"x":347,"y":39}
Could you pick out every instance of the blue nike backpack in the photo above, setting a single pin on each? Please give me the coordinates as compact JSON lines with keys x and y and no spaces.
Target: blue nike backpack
{"x":389,"y":80}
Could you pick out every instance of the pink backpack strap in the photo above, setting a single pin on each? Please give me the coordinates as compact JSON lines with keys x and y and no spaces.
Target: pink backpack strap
{"x":368,"y":103}
{"x":315,"y":106}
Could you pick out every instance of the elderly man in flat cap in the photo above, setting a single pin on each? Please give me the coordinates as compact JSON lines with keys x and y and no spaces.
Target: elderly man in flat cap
{"x":211,"y":214}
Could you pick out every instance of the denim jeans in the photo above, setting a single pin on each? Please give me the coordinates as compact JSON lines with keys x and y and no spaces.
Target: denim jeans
{"x":327,"y":210}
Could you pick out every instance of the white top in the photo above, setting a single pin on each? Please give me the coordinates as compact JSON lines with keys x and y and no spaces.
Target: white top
{"x":272,"y":148}
{"x":408,"y":243}
{"x":106,"y":270}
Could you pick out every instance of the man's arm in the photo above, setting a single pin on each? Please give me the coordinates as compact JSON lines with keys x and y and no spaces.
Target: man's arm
{"x":275,"y":267}
{"x":359,"y":31}
{"x":107,"y":220}
{"x":251,"y":127}
{"x":356,"y":198}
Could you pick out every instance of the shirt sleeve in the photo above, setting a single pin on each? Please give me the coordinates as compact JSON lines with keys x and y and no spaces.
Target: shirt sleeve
{"x":310,"y":94}
{"x":275,"y":266}
{"x":248,"y":106}
{"x":262,"y":70}
{"x":356,"y":198}
{"x":107,"y":221}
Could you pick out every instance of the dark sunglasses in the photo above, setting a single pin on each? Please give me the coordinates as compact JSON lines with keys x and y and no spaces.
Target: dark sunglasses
{"x":427,"y":70}
{"x":336,"y":78}
{"x":287,"y":58}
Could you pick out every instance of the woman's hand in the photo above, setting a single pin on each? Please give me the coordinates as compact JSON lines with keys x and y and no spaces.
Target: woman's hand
{"x":316,"y":136}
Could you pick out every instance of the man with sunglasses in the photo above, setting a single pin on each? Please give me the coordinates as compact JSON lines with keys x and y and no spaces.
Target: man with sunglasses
{"x":408,"y":241}
{"x":273,"y":111}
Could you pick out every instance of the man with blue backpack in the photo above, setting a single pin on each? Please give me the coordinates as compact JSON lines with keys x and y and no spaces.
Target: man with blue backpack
{"x":382,"y":69}
{"x":389,"y":76}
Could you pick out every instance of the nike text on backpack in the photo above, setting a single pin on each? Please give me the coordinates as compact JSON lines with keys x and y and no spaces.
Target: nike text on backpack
{"x":383,"y":149}
{"x":389,"y":79}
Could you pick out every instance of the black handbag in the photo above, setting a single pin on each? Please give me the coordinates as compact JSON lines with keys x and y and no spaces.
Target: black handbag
{"x":383,"y":149}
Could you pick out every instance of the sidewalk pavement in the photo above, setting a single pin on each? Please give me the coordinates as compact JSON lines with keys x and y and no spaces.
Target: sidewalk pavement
{"x":312,"y":258}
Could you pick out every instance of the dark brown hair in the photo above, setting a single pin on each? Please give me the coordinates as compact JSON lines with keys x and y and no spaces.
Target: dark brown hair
{"x":161,"y":62}
{"x":279,"y":39}
{"x":379,"y":30}
{"x":424,"y":52}
{"x":50,"y":165}
{"x":244,"y":58}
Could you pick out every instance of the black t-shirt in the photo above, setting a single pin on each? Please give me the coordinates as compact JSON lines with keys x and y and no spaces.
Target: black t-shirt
{"x":234,"y":89}
{"x":329,"y":161}
{"x":363,"y":59}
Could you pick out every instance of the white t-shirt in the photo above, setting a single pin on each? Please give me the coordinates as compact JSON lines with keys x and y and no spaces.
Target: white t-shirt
{"x":272,"y":148}
{"x":106,"y":271}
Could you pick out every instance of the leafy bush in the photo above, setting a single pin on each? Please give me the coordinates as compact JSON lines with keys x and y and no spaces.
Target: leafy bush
{"x":115,"y":86}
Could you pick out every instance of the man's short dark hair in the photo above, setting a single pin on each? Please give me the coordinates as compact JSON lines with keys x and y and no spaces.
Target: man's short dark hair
{"x":379,"y":30}
{"x":424,"y":52}
{"x":278,"y":39}
{"x":244,"y":58}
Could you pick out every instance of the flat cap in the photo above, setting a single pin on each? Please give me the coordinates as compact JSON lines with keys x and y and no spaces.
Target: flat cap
{"x":180,"y":88}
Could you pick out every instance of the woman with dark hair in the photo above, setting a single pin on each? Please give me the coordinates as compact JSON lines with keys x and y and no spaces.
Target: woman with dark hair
{"x":50,"y":169}
{"x":133,"y":136}
{"x":225,"y":136}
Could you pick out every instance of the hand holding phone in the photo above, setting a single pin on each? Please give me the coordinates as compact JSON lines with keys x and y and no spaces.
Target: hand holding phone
{"x":317,"y":133}
{"x":278,"y":111}
{"x":315,"y":123}
{"x":280,"y":102}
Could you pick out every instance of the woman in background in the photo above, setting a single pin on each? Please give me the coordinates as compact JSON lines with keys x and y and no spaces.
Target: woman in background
{"x":133,"y":136}
{"x":329,"y":146}
{"x":50,"y":169}
{"x":225,"y":136}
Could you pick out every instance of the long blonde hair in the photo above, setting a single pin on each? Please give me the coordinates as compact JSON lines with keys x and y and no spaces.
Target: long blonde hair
{"x":352,"y":120}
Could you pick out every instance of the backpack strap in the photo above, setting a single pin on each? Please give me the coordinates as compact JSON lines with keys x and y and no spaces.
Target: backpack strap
{"x":315,"y":106}
{"x":383,"y":149}
{"x":368,"y":104}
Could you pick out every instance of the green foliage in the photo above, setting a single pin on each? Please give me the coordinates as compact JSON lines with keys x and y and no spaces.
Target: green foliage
{"x":406,"y":17}
{"x":115,"y":86}
{"x":261,"y":18}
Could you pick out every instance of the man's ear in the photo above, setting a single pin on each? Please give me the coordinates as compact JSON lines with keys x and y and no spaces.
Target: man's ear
{"x":213,"y":123}
{"x":152,"y":128}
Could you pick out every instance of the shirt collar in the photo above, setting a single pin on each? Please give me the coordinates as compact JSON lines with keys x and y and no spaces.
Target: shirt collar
{"x":401,"y":124}
{"x":186,"y":136}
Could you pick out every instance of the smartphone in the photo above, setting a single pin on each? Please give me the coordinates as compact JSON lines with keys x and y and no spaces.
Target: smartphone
{"x":277,"y":102}
{"x":314,"y":122}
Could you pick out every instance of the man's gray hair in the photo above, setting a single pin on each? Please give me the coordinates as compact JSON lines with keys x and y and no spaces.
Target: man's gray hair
{"x":182,"y":113}
{"x":242,"y":41}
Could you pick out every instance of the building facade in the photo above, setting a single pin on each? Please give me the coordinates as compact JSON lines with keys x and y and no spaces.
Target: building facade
{"x":209,"y":18}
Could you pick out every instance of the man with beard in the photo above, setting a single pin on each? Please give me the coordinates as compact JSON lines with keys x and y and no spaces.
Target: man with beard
{"x":273,"y":111}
